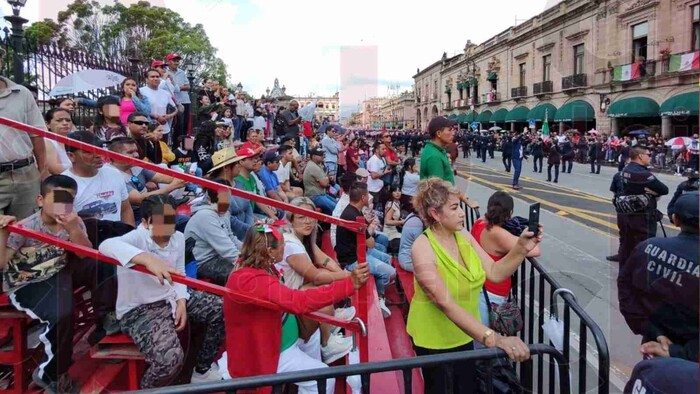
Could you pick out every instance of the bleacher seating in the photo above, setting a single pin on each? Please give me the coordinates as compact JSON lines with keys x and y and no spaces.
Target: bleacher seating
{"x":115,"y":347}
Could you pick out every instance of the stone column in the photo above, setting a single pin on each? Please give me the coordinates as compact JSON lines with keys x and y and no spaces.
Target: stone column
{"x":512,"y":127}
{"x":666,"y":127}
{"x":614,"y":127}
{"x":561,"y":128}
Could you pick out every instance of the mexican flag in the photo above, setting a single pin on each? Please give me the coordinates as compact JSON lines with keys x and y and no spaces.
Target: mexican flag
{"x":627,"y":72}
{"x":684,"y":62}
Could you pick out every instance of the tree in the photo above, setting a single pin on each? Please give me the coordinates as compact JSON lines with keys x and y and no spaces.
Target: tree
{"x":140,"y":31}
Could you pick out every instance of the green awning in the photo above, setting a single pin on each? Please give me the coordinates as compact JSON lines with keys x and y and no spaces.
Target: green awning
{"x":492,"y":77}
{"x":462,"y":118}
{"x":575,"y":111}
{"x":499,"y":116}
{"x":471,"y":117}
{"x":634,"y":107}
{"x":390,"y":124}
{"x":517,"y":114}
{"x":539,"y":112}
{"x":484,"y":117}
{"x":680,"y":104}
{"x":376,"y":125}
{"x":452,"y":116}
{"x":472,"y":82}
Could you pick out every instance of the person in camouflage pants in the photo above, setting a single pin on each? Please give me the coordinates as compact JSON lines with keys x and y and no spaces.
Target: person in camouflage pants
{"x":152,"y":327}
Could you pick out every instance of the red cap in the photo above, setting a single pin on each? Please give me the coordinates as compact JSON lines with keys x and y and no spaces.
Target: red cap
{"x":157,"y":63}
{"x":246,"y":153}
{"x":173,"y":56}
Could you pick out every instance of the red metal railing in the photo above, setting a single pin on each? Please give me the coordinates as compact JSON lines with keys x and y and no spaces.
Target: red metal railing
{"x":358,"y":227}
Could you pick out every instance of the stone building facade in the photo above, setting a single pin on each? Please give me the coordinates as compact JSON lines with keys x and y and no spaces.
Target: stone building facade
{"x":615,"y":66}
{"x":396,"y":112}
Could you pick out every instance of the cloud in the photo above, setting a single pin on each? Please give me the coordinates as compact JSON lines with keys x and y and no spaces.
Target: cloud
{"x":301,"y":42}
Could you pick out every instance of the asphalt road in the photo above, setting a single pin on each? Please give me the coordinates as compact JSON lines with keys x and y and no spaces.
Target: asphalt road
{"x":580,"y":230}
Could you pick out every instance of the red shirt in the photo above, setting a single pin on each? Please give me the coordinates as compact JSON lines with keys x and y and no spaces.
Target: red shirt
{"x":391,"y":154}
{"x":351,"y":154}
{"x":501,"y":289}
{"x":251,"y":146}
{"x":254,"y":333}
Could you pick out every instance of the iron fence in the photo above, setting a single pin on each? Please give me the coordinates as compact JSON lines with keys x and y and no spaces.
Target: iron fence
{"x":365,"y":370}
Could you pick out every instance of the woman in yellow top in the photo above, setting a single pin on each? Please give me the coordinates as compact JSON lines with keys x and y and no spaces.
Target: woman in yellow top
{"x":450,"y":268}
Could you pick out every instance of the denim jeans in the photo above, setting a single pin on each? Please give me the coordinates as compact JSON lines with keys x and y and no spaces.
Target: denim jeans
{"x":325,"y":202}
{"x":379,"y":255}
{"x":382,"y":271}
{"x":381,"y":241}
{"x":241,"y":216}
{"x":517,"y":167}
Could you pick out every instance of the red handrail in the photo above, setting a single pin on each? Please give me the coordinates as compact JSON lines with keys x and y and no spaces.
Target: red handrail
{"x":193,"y":283}
{"x":350,"y":225}
{"x":359,"y":226}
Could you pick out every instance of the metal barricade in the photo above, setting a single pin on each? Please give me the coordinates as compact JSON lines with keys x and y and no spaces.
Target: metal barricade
{"x":365,"y":370}
{"x":538,"y":295}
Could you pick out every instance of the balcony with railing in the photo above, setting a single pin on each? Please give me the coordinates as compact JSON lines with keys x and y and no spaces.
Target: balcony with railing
{"x":518,"y":92}
{"x":543,"y":87}
{"x":575,"y":81}
{"x":682,"y":62}
{"x":491,"y":98}
{"x":633,"y":71}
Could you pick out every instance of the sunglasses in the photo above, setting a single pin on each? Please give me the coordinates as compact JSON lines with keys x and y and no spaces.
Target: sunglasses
{"x":140,"y":122}
{"x":137,"y":183}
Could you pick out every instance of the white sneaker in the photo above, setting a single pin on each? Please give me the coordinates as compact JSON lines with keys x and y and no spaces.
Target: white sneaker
{"x":345,"y":313}
{"x":385,"y":309}
{"x":336,"y":348}
{"x":210,"y":376}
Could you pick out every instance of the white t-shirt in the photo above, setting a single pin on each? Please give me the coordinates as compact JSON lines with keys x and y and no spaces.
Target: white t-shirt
{"x":283,"y":172}
{"x":292,"y":246}
{"x":159,"y":100}
{"x":100,"y":196}
{"x":375,"y":164}
{"x":410,"y":184}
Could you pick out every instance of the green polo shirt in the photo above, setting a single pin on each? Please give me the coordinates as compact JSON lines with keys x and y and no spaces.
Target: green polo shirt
{"x":434,"y":163}
{"x":248,"y":185}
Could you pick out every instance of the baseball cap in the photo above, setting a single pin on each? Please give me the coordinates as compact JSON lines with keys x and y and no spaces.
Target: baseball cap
{"x":317,"y":152}
{"x":223,"y":158}
{"x":172,"y":56}
{"x":157,"y":63}
{"x":362,"y":173}
{"x":686,"y":208}
{"x":246,"y":153}
{"x":439,"y":123}
{"x":270,"y":156}
{"x":86,"y":137}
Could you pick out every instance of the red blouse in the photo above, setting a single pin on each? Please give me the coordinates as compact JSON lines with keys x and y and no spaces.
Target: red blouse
{"x":501,"y":289}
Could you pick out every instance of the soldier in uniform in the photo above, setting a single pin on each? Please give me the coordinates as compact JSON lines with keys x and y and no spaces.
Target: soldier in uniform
{"x":596,"y":155}
{"x":637,"y":179}
{"x":483,"y":146}
{"x":491,"y":144}
{"x":507,"y":151}
{"x":658,"y":288}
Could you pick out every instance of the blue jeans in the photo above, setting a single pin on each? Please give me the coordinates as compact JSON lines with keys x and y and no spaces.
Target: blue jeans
{"x":382,"y":271}
{"x":325,"y":202}
{"x":241,"y":216}
{"x":332,"y":168}
{"x":381,"y":241}
{"x":181,"y":222}
{"x":517,"y":166}
{"x":379,"y":255}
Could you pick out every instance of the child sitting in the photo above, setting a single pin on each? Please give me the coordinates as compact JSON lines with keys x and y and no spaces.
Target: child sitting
{"x":152,"y":311}
{"x":40,"y":278}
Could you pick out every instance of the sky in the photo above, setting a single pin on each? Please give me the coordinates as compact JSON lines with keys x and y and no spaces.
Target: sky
{"x":358,"y":48}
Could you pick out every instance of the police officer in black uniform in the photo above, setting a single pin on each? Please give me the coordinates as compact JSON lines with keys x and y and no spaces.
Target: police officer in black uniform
{"x":483,"y":146}
{"x":506,"y":151}
{"x":491,"y":144}
{"x":637,"y":179}
{"x":690,"y":185}
{"x":659,"y":287}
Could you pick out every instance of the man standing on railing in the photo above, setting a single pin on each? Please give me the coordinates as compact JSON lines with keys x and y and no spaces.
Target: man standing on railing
{"x":658,"y":287}
{"x":22,"y":155}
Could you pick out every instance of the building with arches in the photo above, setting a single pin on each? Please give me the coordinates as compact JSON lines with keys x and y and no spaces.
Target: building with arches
{"x":617,"y":66}
{"x":327,"y":108}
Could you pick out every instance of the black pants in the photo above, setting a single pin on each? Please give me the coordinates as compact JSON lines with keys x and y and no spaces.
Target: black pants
{"x":595,"y":166}
{"x":567,"y":165}
{"x":458,"y":378}
{"x":51,"y":301}
{"x":182,"y":125}
{"x":634,"y":228}
{"x":556,"y":172}
{"x":534,"y":162}
{"x":483,"y":155}
{"x":507,"y":162}
{"x":466,"y":151}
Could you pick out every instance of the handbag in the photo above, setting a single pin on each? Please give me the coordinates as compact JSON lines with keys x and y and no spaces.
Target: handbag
{"x":506,"y":318}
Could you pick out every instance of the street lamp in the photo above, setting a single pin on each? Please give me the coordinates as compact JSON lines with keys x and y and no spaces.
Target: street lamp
{"x":190,"y":69}
{"x":17,"y":38}
{"x":240,"y":87}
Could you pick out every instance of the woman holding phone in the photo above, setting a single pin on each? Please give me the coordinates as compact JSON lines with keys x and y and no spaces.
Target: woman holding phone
{"x":450,"y":268}
{"x":132,"y":101}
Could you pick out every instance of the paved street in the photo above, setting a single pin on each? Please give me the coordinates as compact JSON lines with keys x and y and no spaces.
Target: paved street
{"x":580,"y":231}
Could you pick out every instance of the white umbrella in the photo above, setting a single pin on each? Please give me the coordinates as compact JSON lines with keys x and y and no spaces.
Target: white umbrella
{"x":495,"y":128}
{"x":85,"y":80}
{"x":593,"y":131}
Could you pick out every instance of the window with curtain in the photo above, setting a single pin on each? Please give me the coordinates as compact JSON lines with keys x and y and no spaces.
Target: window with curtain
{"x":522,"y":71}
{"x":579,"y":52}
{"x":546,"y":68}
{"x":639,"y":40}
{"x":695,"y":34}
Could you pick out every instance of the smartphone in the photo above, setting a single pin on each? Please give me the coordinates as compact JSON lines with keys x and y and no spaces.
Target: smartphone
{"x":534,"y":218}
